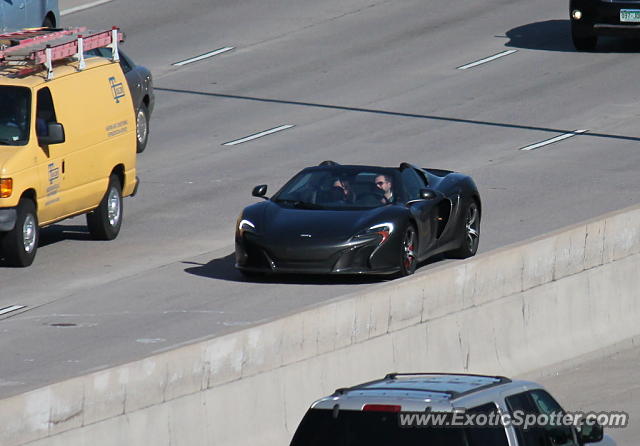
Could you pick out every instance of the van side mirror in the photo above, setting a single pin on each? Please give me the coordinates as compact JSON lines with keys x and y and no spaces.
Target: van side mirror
{"x":260,"y":191}
{"x":590,"y":432}
{"x":55,"y":135}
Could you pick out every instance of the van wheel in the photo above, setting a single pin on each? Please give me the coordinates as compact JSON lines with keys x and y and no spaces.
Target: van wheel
{"x":142,"y":128}
{"x":104,"y":221}
{"x":19,"y":245}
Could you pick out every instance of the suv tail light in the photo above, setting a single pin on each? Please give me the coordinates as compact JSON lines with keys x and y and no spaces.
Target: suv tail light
{"x":381,"y":408}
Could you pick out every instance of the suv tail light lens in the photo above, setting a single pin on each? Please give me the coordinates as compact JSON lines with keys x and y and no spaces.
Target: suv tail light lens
{"x":381,"y":408}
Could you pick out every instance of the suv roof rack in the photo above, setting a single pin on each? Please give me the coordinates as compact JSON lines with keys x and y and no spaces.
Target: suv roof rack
{"x":35,"y":48}
{"x":394,"y":375}
{"x":499,"y":380}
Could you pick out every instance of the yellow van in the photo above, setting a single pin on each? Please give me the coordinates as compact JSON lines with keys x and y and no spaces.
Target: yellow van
{"x":67,"y":145}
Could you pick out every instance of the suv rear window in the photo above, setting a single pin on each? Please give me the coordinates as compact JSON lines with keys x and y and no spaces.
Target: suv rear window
{"x":356,"y":428}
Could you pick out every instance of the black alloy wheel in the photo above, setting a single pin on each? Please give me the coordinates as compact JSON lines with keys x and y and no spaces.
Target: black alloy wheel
{"x":470,"y":233}
{"x":409,"y":252}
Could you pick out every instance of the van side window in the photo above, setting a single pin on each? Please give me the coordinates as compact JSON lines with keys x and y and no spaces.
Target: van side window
{"x":45,"y":112}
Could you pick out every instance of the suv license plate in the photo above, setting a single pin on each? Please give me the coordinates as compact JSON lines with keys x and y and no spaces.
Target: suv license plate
{"x":630,"y":15}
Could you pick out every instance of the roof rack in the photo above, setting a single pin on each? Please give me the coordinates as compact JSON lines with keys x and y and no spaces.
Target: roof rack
{"x":35,"y":48}
{"x":499,"y":380}
{"x":343,"y":390}
{"x":394,"y":375}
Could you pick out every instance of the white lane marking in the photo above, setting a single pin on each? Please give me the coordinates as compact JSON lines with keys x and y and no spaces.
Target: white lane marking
{"x":150,"y":340}
{"x":83,"y":7}
{"x":258,"y":135}
{"x":6,"y":310}
{"x":487,"y":59}
{"x":204,"y":56}
{"x":554,"y":140}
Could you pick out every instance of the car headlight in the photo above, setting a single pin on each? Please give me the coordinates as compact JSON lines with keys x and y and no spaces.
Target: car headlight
{"x":384,"y":230}
{"x":245,"y":225}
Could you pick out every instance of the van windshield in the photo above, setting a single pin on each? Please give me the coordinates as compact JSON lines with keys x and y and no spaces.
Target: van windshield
{"x":357,"y":428}
{"x":15,"y":106}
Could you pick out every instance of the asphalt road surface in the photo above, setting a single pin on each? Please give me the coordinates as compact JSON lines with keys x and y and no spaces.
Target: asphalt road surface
{"x":361,"y":81}
{"x":608,"y":383}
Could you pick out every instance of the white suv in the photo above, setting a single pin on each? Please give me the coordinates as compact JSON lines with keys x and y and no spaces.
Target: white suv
{"x":420,"y":409}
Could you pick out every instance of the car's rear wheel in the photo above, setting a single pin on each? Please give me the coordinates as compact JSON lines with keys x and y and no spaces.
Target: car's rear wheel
{"x":582,"y":40}
{"x":48,"y":22}
{"x":19,"y":245}
{"x":104,"y":222}
{"x":409,"y":251}
{"x":142,"y":128}
{"x":469,"y":233}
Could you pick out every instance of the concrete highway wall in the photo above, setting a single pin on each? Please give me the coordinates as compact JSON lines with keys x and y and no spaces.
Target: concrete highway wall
{"x":512,"y":310}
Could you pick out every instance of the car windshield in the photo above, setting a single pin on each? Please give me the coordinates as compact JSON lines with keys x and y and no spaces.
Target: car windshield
{"x":355,"y":428}
{"x":15,"y":106}
{"x":339,"y":188}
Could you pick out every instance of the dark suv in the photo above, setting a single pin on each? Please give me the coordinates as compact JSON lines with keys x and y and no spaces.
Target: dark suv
{"x":593,"y":18}
{"x":420,"y":409}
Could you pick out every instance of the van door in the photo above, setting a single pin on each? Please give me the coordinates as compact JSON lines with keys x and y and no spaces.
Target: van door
{"x":14,"y":14}
{"x":52,"y":171}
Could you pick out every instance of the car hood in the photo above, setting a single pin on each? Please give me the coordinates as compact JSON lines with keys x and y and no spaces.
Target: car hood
{"x":282,"y":222}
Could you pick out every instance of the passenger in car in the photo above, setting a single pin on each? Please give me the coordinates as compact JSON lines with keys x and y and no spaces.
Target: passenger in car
{"x":343,"y":186}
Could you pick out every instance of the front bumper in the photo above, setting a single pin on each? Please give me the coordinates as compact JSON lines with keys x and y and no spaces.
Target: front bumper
{"x":603,"y":18}
{"x":8,"y":217}
{"x":352,"y":257}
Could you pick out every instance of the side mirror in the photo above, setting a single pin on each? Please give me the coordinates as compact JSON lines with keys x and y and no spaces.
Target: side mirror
{"x":259,"y":191}
{"x":590,"y":432}
{"x":55,"y":135}
{"x":428,"y":194}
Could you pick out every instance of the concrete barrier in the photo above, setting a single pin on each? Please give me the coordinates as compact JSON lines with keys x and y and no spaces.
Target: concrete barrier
{"x":508,"y":311}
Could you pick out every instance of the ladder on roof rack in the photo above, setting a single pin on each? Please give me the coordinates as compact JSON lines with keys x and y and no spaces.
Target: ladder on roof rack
{"x":42,"y":46}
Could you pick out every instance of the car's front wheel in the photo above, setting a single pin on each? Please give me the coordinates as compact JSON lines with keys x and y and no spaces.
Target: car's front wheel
{"x":469,"y":233}
{"x":142,"y":128}
{"x":104,"y":222}
{"x":409,"y":251}
{"x":19,"y":245}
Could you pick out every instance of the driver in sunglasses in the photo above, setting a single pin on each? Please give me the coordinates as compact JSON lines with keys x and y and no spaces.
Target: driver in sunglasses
{"x":383,"y":182}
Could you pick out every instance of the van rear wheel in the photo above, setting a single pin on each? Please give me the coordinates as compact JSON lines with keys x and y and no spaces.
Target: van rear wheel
{"x":104,"y":222}
{"x":48,"y":23}
{"x":19,"y":245}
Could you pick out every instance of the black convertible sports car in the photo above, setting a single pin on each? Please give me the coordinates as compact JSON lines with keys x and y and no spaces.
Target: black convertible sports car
{"x":343,"y":219}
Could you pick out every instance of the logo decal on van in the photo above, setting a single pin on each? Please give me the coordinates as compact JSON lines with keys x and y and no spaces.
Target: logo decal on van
{"x":117,"y":89}
{"x":54,"y":173}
